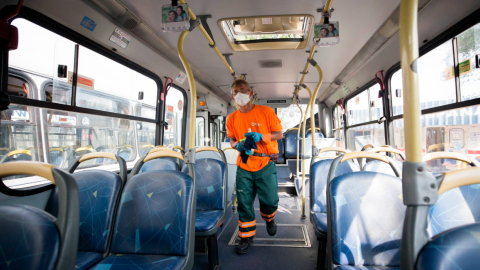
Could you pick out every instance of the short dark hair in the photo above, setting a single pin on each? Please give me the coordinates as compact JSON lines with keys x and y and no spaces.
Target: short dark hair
{"x":240,"y":82}
{"x":171,"y":12}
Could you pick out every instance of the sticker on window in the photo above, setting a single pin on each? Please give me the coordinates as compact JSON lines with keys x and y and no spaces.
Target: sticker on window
{"x":357,"y":100}
{"x":180,"y":105}
{"x":181,"y":77}
{"x":82,"y":81}
{"x":120,"y":38}
{"x":464,"y":67}
{"x":449,"y":73}
{"x":88,"y":23}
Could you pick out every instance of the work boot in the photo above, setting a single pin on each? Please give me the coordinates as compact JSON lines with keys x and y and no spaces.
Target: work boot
{"x":245,"y":243}
{"x":271,"y":227}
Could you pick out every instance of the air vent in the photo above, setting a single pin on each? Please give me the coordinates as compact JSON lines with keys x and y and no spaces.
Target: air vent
{"x":277,"y":63}
{"x":129,"y":21}
{"x":130,"y":24}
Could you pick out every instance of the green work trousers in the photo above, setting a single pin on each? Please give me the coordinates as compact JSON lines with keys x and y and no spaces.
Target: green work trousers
{"x":249,"y":184}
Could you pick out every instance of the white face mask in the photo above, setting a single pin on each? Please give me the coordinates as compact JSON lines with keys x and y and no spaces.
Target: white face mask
{"x":242,"y":99}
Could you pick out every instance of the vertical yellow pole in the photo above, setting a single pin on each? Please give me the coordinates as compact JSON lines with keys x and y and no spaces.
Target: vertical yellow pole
{"x":193,"y":89}
{"x":303,"y":151}
{"x":298,"y":139}
{"x":408,"y":63}
{"x":315,"y":93}
{"x":338,"y":125}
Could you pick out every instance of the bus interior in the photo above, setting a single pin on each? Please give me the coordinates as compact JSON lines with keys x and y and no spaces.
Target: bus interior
{"x":114,"y":151}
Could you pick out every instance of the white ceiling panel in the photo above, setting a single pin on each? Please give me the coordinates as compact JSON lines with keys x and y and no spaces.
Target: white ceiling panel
{"x":359,"y":19}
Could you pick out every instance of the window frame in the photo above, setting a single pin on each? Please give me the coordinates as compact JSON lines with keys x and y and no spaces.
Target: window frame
{"x":59,"y":29}
{"x":448,"y":35}
{"x":184,"y":121}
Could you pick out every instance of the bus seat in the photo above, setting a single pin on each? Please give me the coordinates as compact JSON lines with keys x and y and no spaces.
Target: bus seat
{"x":211,"y":177}
{"x":380,"y":167}
{"x":454,"y":208}
{"x":31,"y":238}
{"x":162,"y":164}
{"x":154,"y":225}
{"x":367,"y":212}
{"x":318,"y":135}
{"x":318,"y":187}
{"x":291,"y":144}
{"x":452,"y":249}
{"x":99,"y":192}
{"x":227,"y":139}
{"x":281,"y":152}
{"x":56,"y":157}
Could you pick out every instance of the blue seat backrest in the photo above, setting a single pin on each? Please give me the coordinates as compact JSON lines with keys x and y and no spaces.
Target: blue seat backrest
{"x":227,"y":140}
{"x":291,"y":144}
{"x":456,"y":207}
{"x":29,"y":238}
{"x":210,"y":176}
{"x":318,"y":135}
{"x":99,"y":191}
{"x":367,"y":214}
{"x":281,"y":151}
{"x":154,"y":214}
{"x":162,"y":164}
{"x":453,"y":249}
{"x":319,"y":175}
{"x":381,"y":167}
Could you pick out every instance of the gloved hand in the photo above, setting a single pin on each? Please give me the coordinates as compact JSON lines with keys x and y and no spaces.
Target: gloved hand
{"x":239,"y":146}
{"x":248,"y":152}
{"x":255,"y":135}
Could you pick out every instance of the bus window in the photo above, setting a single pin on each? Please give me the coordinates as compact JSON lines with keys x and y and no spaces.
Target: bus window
{"x":358,"y":137}
{"x":71,"y":135}
{"x":145,"y":131}
{"x":291,"y":115}
{"x":436,"y":81}
{"x":468,"y":44}
{"x":358,"y":109}
{"x":174,"y":110}
{"x":18,"y":135}
{"x":376,"y":103}
{"x":200,"y":131}
{"x":454,"y":131}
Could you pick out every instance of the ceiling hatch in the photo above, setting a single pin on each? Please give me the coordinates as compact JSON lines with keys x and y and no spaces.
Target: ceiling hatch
{"x":276,"y":32}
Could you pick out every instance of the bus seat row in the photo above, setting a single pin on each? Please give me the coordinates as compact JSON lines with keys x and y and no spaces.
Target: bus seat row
{"x":291,"y":142}
{"x":365,"y":214}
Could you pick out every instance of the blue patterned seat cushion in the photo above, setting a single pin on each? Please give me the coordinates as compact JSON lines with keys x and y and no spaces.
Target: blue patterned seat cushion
{"x":162,"y":164}
{"x":319,"y":177}
{"x":358,"y":267}
{"x":140,"y":262}
{"x":456,"y":207}
{"x":28,"y":238}
{"x":210,"y":176}
{"x":99,"y":191}
{"x":207,"y":220}
{"x":320,"y":222}
{"x":367,"y":219}
{"x":454,"y":249}
{"x":85,"y":260}
{"x":154,"y":214}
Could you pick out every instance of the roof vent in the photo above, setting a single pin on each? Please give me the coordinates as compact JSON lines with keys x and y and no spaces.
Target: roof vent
{"x":276,"y":63}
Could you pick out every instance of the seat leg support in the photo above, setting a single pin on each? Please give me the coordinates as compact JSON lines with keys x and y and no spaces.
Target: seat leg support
{"x":321,"y":256}
{"x":212,"y":245}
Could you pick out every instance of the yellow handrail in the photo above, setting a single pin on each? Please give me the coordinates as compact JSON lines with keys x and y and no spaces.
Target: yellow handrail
{"x":315,"y":93}
{"x":303,"y":149}
{"x":408,"y":62}
{"x":193,"y":88}
{"x":210,"y":41}
{"x":298,"y":141}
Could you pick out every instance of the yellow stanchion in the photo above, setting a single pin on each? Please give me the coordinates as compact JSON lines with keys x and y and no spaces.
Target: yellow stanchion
{"x":303,"y":150}
{"x":408,"y":63}
{"x":298,"y":140}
